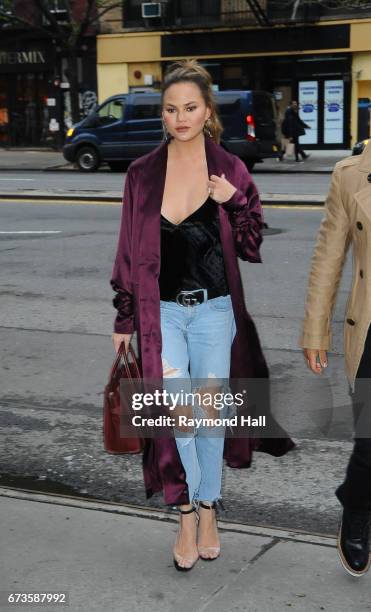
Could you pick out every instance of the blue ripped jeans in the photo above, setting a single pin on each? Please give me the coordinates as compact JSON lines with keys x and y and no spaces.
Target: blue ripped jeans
{"x":196,"y":344}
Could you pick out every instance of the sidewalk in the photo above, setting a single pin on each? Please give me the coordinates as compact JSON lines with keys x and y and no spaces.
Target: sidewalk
{"x":31,"y":160}
{"x":116,"y":558}
{"x":50,"y":160}
{"x":319,"y":162}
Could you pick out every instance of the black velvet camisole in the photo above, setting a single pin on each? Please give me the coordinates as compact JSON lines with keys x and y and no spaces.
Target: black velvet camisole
{"x":191,"y":254}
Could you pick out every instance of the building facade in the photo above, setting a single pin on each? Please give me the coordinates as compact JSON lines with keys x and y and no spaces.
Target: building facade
{"x":34,"y":86}
{"x":319,"y":59}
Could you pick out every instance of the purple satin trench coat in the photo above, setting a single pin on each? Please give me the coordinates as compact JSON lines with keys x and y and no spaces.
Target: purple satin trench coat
{"x":135,"y":280}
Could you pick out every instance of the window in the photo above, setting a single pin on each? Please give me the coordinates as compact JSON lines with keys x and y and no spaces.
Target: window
{"x":199,"y":8}
{"x":59,"y":10}
{"x":146,"y":108}
{"x":6,"y":6}
{"x":57,"y":6}
{"x":110,"y":112}
{"x":264,"y":107}
{"x":228,"y":105}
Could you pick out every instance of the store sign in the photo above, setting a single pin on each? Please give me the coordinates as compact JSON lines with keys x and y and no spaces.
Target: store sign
{"x":308,"y":110}
{"x":333,"y":118}
{"x":22,"y":57}
{"x":40,"y":59}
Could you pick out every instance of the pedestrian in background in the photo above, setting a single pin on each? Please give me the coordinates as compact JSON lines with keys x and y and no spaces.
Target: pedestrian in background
{"x":347,"y":221}
{"x":190,"y":208}
{"x":292,"y":128}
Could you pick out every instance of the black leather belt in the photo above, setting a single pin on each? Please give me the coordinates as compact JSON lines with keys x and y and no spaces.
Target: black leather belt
{"x":196,"y":296}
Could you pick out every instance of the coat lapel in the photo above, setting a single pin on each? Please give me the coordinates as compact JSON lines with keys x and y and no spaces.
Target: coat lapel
{"x":365,"y":161}
{"x":363,"y":199}
{"x":363,"y":196}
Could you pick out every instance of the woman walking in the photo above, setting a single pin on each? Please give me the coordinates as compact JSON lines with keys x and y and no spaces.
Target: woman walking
{"x":292,"y":128}
{"x":189,"y":209}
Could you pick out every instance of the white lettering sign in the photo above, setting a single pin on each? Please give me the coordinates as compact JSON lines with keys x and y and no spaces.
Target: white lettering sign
{"x":22,"y":57}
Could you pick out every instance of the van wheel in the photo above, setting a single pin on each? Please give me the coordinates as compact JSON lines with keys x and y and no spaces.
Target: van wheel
{"x":249,"y":165}
{"x":87,"y":159}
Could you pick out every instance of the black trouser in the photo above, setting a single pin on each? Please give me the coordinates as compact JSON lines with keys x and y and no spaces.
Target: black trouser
{"x":298,"y":148}
{"x":355,"y":492}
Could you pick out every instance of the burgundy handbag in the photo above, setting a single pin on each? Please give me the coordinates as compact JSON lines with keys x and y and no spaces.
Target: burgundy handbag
{"x":119,"y":435}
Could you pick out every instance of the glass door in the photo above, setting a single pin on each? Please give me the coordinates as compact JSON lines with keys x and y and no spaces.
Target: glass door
{"x":4,"y":111}
{"x":29,"y":111}
{"x":323,"y":106}
{"x":308,"y":110}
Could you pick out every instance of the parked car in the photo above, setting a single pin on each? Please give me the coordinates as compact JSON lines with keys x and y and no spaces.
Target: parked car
{"x":127,"y":126}
{"x":359,"y":146}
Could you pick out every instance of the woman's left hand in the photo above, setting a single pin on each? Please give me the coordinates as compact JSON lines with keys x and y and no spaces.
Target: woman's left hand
{"x":220,"y":189}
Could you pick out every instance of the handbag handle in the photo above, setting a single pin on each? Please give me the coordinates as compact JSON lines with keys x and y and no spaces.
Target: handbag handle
{"x":122,"y":355}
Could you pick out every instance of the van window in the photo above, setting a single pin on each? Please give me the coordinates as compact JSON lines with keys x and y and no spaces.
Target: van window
{"x":264,"y":107}
{"x":146,"y":108}
{"x":111,"y":111}
{"x":228,"y":105}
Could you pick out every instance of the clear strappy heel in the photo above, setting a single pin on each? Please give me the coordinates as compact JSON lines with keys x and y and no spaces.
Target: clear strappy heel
{"x":206,"y":551}
{"x":179,"y":558}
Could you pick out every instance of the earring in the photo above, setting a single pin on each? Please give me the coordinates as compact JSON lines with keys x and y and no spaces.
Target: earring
{"x":164,"y":129}
{"x":207,"y":128}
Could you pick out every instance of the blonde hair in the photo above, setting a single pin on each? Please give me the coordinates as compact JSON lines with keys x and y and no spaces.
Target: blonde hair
{"x":190,"y":70}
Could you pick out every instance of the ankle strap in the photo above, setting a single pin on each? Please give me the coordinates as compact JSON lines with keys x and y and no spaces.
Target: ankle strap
{"x":212,"y":506}
{"x":193,"y":509}
{"x":215,"y":505}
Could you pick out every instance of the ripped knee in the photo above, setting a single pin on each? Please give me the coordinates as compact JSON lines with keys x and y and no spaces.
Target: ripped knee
{"x":210,"y":401}
{"x":168,"y":371}
{"x":185,"y":411}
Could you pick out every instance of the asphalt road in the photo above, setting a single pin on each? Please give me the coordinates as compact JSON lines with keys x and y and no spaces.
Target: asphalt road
{"x":55,"y":327}
{"x":112,"y":182}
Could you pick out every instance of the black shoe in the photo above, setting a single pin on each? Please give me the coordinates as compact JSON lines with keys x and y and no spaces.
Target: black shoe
{"x":353,"y":541}
{"x":305,"y":156}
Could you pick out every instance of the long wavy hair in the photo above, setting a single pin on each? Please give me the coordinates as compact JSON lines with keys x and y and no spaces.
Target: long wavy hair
{"x":190,"y":70}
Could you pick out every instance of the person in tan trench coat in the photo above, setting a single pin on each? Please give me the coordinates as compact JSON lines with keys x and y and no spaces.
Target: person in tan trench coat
{"x":347,"y":221}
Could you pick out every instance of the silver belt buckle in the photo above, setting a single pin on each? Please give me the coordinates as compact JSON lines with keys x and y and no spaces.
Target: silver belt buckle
{"x":185,"y":298}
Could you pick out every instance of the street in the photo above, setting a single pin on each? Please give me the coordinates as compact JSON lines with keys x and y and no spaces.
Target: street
{"x":101,"y":183}
{"x":56,"y":322}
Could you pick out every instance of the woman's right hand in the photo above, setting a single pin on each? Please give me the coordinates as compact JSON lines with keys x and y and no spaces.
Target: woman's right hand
{"x":316,"y":360}
{"x":118,"y":338}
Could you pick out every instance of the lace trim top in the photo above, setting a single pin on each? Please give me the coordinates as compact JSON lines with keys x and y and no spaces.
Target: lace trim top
{"x":191,"y":254}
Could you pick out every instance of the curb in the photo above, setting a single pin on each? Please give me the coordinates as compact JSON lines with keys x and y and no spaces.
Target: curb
{"x":164,"y":516}
{"x":266,"y":199}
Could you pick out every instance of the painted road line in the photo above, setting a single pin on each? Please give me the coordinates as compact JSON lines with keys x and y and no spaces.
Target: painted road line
{"x":52,"y":202}
{"x":17,"y":179}
{"x":33,"y":232}
{"x":294,"y":206}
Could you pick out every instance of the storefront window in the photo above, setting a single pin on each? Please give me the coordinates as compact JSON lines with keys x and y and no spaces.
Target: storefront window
{"x":24,"y":115}
{"x":4,"y":115}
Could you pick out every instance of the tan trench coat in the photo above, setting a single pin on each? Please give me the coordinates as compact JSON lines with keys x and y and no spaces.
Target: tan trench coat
{"x":347,"y":220}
